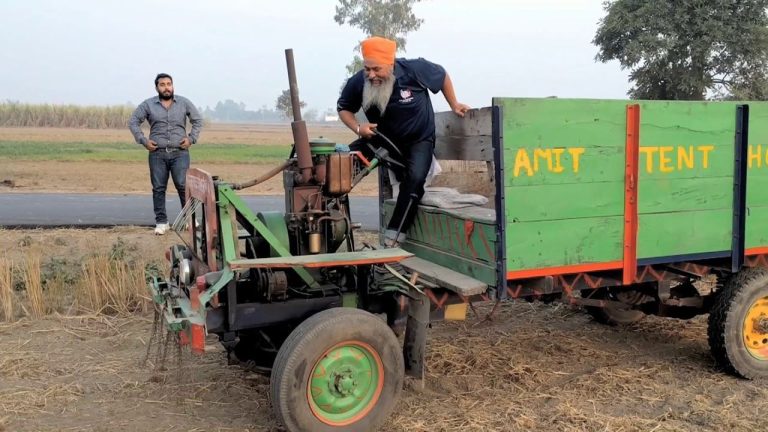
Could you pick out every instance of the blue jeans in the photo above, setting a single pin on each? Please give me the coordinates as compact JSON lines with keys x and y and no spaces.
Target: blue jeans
{"x":161,"y":165}
{"x":417,"y":158}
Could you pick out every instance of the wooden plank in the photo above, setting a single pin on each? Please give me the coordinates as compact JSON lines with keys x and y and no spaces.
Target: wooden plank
{"x":467,"y":138}
{"x":474,"y":123}
{"x":378,"y":256}
{"x":532,"y":245}
{"x":444,"y":277}
{"x":684,"y":233}
{"x":562,"y":165}
{"x":673,"y":195}
{"x":564,"y":201}
{"x":757,"y":220}
{"x":464,"y":148}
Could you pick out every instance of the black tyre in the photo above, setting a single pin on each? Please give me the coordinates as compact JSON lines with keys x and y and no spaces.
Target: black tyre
{"x":614,"y":316}
{"x":738,"y":324}
{"x":340,"y":370}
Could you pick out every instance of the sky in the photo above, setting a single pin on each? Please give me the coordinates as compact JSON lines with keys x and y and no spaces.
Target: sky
{"x":107,"y":52}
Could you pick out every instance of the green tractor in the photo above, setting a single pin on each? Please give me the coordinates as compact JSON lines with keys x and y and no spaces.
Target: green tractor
{"x":588,"y":204}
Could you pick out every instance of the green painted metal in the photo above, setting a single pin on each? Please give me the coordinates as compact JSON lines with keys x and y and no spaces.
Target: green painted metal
{"x":345,"y":382}
{"x":757,"y":177}
{"x":564,"y":163}
{"x":226,"y":194}
{"x":177,"y":311}
{"x":275,"y":222}
{"x":227,"y":230}
{"x":321,"y":146}
{"x":208,"y":294}
{"x":685,"y":194}
{"x":349,"y":300}
{"x":460,"y":241}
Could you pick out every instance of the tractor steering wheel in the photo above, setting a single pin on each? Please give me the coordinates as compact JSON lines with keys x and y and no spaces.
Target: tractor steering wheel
{"x":383,"y":154}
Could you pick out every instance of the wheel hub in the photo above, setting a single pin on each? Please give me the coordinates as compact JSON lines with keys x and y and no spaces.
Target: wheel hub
{"x":756,"y":329}
{"x":346,"y":383}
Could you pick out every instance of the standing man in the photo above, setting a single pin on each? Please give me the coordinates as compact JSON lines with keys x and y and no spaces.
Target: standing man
{"x":168,"y":142}
{"x":393,"y":94}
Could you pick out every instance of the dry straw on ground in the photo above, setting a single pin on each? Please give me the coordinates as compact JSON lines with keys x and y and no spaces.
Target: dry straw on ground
{"x":113,"y":286}
{"x":33,"y":284}
{"x":6,"y":289}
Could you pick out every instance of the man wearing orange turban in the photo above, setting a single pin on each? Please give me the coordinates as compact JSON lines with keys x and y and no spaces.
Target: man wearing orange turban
{"x":394,"y":95}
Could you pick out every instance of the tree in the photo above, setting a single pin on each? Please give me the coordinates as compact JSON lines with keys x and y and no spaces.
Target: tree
{"x":284,"y":106}
{"x":688,"y":49}
{"x":392,"y":19}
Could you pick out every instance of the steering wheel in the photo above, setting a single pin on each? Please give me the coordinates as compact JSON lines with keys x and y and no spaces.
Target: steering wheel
{"x":384,"y":155}
{"x":388,"y":141}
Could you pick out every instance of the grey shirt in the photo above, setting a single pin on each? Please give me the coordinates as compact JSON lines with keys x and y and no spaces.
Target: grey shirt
{"x":167,"y":127}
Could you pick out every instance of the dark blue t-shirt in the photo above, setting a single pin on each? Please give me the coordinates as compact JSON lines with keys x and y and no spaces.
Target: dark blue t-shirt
{"x":409,"y":116}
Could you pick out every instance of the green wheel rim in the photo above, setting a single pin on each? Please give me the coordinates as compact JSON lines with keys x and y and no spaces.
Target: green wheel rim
{"x":346,"y":383}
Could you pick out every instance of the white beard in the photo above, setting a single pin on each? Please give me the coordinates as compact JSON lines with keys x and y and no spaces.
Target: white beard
{"x":378,"y":96}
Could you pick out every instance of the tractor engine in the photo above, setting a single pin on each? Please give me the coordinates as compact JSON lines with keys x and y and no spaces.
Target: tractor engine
{"x":317,"y":211}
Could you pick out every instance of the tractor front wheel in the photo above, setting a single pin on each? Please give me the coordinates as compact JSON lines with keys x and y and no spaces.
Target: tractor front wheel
{"x":738,"y":324}
{"x":340,"y":370}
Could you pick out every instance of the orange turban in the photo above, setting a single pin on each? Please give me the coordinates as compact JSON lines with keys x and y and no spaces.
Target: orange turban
{"x":379,"y":50}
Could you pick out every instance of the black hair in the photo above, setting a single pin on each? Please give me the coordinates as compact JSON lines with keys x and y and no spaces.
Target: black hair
{"x":161,"y":76}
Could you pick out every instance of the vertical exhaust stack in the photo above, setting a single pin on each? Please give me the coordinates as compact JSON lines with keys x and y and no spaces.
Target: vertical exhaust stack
{"x":298,"y":126}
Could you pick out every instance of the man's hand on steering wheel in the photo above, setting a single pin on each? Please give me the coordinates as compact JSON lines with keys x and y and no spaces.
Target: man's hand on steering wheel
{"x":366,"y":130}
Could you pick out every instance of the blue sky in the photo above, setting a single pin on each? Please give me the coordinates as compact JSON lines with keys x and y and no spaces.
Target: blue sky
{"x":97,"y":52}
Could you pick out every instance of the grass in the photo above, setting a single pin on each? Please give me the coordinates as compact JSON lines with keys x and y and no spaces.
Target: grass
{"x":131,"y":152}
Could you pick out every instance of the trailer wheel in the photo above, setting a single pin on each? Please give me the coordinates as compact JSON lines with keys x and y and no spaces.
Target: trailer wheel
{"x":340,"y":370}
{"x":738,"y":325}
{"x":613,"y":316}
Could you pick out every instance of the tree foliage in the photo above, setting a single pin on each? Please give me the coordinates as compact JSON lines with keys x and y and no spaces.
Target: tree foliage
{"x":284,"y":106}
{"x":688,"y":49}
{"x":392,"y":19}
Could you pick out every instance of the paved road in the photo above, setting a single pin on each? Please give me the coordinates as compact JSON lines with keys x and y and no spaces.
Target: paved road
{"x":90,"y":210}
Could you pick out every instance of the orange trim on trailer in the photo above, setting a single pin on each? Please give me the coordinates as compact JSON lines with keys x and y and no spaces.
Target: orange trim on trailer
{"x":551,"y":271}
{"x":631,"y":178}
{"x":757,"y":251}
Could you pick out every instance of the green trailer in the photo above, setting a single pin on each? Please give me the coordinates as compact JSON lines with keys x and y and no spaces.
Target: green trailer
{"x":627,"y":208}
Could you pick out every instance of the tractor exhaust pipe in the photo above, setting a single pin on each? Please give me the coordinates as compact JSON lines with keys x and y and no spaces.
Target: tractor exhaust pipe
{"x":298,"y":126}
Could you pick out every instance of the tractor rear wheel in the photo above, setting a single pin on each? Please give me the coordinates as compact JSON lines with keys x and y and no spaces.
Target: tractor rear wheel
{"x":738,"y":324}
{"x":340,"y":370}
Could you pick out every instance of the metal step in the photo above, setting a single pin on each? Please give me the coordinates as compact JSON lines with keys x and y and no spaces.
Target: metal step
{"x":444,"y":277}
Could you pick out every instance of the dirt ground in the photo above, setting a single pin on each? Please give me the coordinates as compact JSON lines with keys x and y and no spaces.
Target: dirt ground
{"x":531,"y":367}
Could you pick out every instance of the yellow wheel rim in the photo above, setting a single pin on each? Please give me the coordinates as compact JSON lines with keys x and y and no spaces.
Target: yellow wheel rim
{"x":756,"y":329}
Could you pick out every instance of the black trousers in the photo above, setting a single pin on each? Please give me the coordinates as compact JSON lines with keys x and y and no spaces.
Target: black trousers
{"x":417,"y":158}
